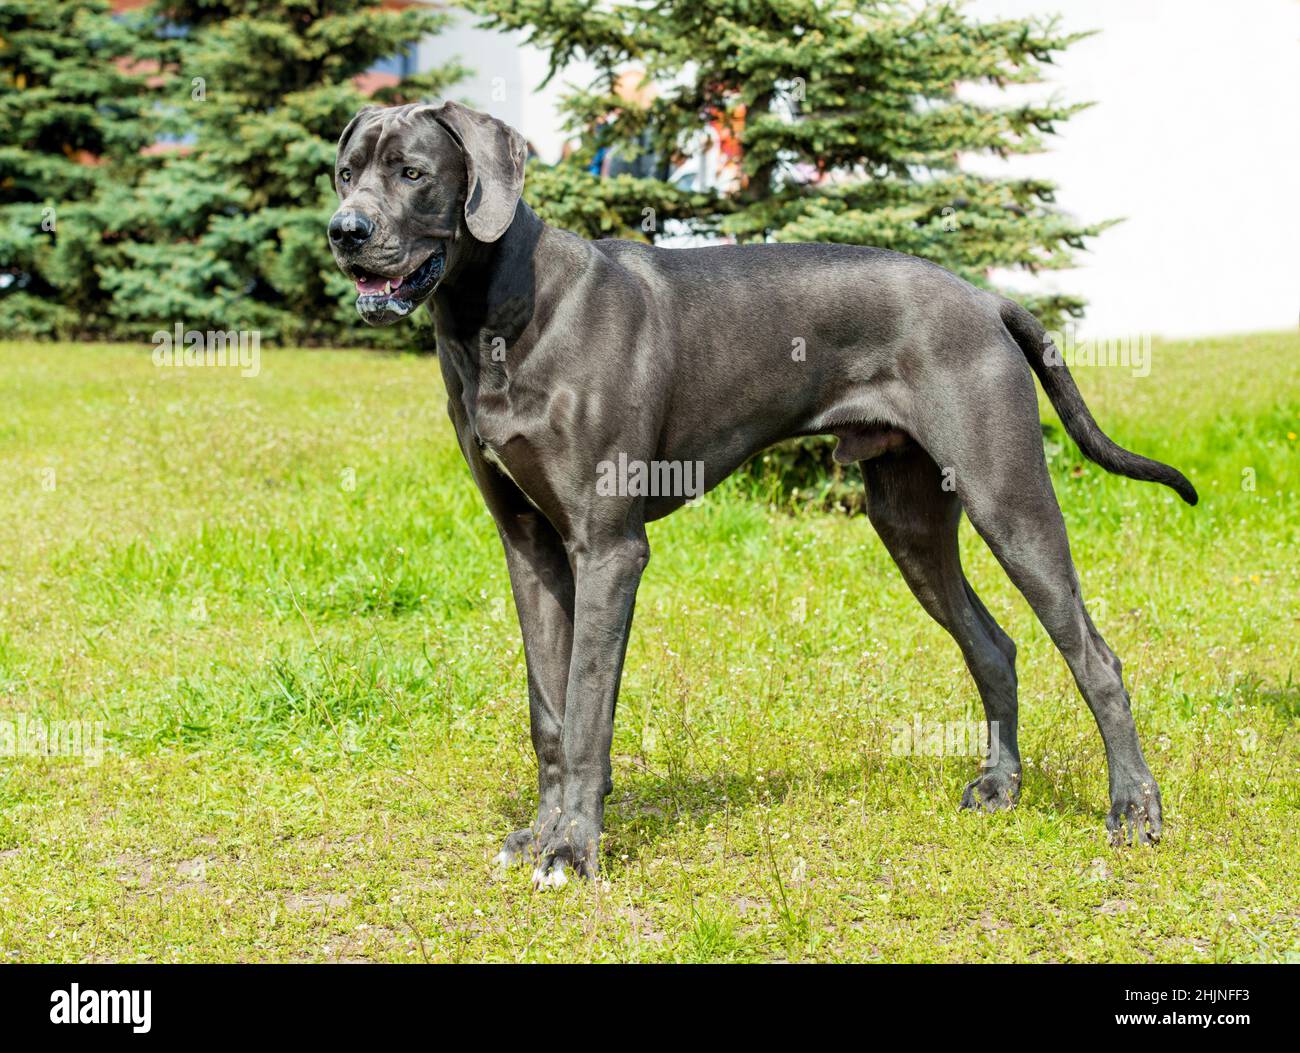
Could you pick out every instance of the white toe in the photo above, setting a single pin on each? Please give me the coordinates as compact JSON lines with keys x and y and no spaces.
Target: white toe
{"x":553,"y":878}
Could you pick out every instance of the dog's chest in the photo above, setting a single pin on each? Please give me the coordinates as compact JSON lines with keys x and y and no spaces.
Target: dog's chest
{"x":502,"y":437}
{"x":503,"y":420}
{"x":494,"y":459}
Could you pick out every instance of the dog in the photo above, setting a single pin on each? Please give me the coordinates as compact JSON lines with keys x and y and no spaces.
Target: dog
{"x":562,"y":355}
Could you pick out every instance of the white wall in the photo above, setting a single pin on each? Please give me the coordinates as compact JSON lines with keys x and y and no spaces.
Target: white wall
{"x":506,"y":75}
{"x":1195,"y":139}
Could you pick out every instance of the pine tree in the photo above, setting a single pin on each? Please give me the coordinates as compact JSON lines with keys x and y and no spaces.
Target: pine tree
{"x":849,"y":114}
{"x":72,"y":121}
{"x":229,"y":232}
{"x":851,"y":122}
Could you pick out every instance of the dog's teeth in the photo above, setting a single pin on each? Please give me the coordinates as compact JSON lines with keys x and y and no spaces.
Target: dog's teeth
{"x":388,"y":288}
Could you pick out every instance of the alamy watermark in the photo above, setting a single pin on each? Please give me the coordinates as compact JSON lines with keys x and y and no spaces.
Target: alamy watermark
{"x":75,"y":1006}
{"x":1132,"y":351}
{"x":24,"y":736}
{"x":215,"y":348}
{"x":945,"y":738}
{"x":632,"y":478}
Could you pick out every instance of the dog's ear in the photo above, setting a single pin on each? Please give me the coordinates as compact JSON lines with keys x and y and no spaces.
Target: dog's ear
{"x":494,"y":167}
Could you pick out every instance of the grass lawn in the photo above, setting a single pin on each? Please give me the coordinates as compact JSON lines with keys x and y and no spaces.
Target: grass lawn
{"x":284,"y":601}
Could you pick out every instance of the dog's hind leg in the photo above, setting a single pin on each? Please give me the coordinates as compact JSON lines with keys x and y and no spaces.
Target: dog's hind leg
{"x":917,"y":518}
{"x":1001,"y":476}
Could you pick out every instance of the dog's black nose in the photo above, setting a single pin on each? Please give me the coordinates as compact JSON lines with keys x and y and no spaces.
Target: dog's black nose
{"x":350,"y":230}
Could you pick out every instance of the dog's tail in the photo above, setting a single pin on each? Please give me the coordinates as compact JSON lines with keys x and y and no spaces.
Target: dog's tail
{"x":1048,"y":364}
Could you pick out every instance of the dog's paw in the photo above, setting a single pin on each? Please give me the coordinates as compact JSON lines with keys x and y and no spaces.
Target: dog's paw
{"x":993,"y":791}
{"x":517,"y":845}
{"x":570,"y":847}
{"x":1135,"y":817}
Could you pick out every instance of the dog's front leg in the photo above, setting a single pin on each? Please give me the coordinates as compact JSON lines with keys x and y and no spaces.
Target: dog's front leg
{"x":542,"y":583}
{"x":606,"y":576}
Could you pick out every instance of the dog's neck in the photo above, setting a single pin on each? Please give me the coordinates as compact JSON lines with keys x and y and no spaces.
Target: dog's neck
{"x":486,"y":305}
{"x":490,"y":294}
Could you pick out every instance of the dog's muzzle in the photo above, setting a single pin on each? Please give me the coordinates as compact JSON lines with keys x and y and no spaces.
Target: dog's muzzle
{"x":383,"y":301}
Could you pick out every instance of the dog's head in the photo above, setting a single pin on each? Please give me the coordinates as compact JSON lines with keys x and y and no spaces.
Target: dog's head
{"x":417,"y":184}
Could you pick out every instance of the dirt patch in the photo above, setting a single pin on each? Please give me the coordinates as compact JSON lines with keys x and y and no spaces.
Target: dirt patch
{"x":134,"y":870}
{"x":641,"y":924}
{"x":319,"y":902}
{"x":193,"y":869}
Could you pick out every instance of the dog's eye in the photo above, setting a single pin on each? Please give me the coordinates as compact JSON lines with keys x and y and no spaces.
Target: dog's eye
{"x":411,"y":173}
{"x":345,"y":174}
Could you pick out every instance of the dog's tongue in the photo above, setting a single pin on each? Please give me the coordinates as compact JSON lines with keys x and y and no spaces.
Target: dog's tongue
{"x":377,"y":285}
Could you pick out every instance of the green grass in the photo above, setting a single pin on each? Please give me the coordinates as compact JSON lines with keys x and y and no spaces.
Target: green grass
{"x":285,"y":602}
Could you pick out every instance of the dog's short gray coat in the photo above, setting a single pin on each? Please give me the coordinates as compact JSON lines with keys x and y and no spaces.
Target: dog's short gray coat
{"x":559,"y":354}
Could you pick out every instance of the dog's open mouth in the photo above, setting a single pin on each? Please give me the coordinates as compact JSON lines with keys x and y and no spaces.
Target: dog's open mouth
{"x":382,"y":301}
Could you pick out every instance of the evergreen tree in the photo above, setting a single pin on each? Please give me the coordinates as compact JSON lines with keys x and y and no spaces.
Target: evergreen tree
{"x":70,"y":124}
{"x":849,"y":116}
{"x":851,"y":125}
{"x":229,"y":233}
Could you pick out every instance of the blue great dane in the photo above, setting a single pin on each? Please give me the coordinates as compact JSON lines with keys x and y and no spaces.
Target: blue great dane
{"x":562,"y":355}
